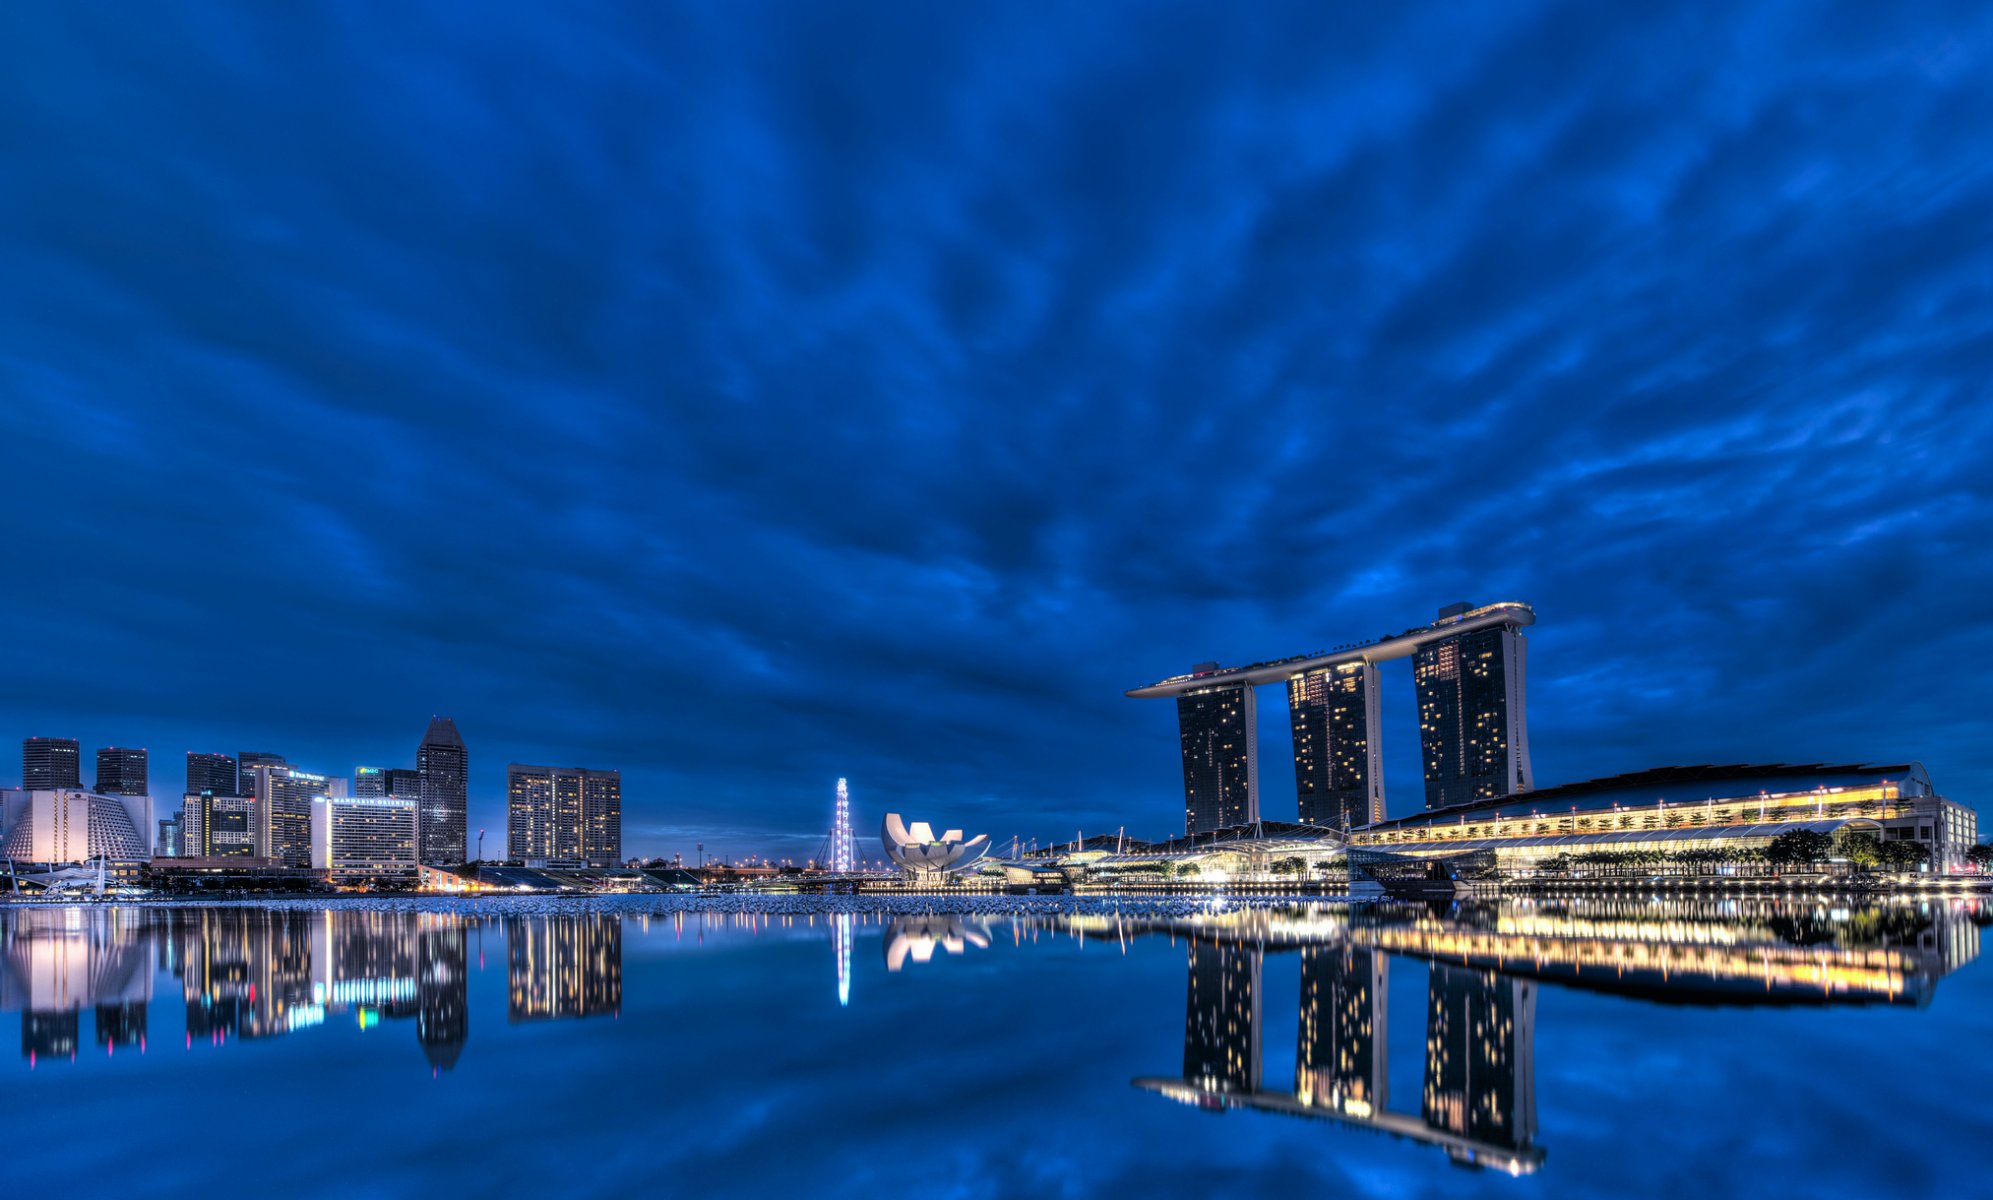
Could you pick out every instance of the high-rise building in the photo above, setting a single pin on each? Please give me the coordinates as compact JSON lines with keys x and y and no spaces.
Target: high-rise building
{"x":246,"y":763}
{"x":1471,"y":722}
{"x":370,"y":781}
{"x":1338,"y":757}
{"x":1219,"y":727}
{"x":403,"y":782}
{"x":48,"y":763}
{"x":215,"y":826}
{"x":211,"y":773}
{"x":286,"y":795}
{"x":564,"y":813}
{"x":121,"y":772}
{"x":444,"y":766}
{"x":363,"y":836}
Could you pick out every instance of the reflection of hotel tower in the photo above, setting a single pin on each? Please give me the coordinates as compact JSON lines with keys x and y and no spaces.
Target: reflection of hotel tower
{"x":1340,"y":1063}
{"x":567,"y":965}
{"x":244,"y":973}
{"x":56,"y":961}
{"x":1221,"y":1018}
{"x":1479,"y":1094}
{"x":1480,"y":1039}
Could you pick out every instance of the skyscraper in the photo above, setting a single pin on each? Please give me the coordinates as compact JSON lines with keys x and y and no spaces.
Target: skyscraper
{"x":1338,"y":757}
{"x":285,"y":796}
{"x":1220,"y":758}
{"x":246,"y":763}
{"x":211,"y":773}
{"x":403,"y":782}
{"x":370,"y":781}
{"x":217,"y":826}
{"x":121,"y":772}
{"x":444,"y":766}
{"x":1471,"y":721}
{"x":571,"y":813}
{"x":51,"y":763}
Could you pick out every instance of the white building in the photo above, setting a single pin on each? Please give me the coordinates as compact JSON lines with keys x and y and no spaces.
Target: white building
{"x":364,"y":835}
{"x":69,"y":825}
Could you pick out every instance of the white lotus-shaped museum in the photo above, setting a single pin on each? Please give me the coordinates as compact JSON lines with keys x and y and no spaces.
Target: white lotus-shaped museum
{"x":917,"y":849}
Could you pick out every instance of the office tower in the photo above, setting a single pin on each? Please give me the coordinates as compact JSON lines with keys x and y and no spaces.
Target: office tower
{"x":1480,"y":1056}
{"x":1221,"y":1051}
{"x":285,"y":796}
{"x":212,"y":773}
{"x":363,"y":836}
{"x":71,"y":826}
{"x":370,"y":781}
{"x":172,"y":836}
{"x":215,"y":826}
{"x":403,"y":782}
{"x":564,"y":813}
{"x":564,"y":965}
{"x":1219,"y":727}
{"x":121,"y":772}
{"x":51,"y":763}
{"x":1338,"y":757}
{"x":444,"y":767}
{"x":1342,"y":1064}
{"x":442,"y":976}
{"x":1471,"y":721}
{"x":246,"y":763}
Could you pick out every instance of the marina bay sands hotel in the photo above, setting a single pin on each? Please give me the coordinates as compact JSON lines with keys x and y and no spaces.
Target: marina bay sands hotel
{"x":1467,"y":667}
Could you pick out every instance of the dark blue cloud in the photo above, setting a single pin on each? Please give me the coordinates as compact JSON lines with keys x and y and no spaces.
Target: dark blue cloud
{"x":747,"y":395}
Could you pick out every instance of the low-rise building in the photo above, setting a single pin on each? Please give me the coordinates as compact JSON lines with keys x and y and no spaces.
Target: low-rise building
{"x":1673,"y":809}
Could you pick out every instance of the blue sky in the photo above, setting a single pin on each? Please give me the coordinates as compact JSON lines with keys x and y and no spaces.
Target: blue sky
{"x":747,"y":395}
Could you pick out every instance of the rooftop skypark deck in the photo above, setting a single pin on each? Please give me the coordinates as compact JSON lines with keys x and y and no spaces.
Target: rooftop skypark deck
{"x":1507,"y":613}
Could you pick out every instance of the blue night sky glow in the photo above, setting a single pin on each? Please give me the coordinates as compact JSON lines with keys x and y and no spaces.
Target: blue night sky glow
{"x":747,"y":395}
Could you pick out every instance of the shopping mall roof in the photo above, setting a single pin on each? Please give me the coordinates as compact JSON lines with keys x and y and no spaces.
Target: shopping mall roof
{"x":1680,"y":785}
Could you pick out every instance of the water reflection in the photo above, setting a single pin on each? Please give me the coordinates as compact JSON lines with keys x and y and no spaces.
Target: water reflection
{"x":250,"y":975}
{"x":1485,"y":963}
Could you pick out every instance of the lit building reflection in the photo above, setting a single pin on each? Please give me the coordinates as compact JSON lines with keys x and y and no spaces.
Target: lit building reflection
{"x":442,"y":965}
{"x":917,"y":937}
{"x":563,"y":965}
{"x":1477,"y":1101}
{"x":55,"y":962}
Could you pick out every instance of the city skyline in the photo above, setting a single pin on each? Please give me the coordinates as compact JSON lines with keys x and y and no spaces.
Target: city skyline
{"x":876,"y":398}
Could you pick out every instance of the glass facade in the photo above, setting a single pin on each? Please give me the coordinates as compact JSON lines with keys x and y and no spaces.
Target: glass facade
{"x":1338,"y":766}
{"x":1219,"y":729}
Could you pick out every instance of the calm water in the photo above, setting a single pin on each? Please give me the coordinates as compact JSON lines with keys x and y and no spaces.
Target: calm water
{"x":573,"y":1048}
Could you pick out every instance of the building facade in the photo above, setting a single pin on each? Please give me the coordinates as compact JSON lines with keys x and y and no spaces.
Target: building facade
{"x":444,"y":768}
{"x":370,"y":781}
{"x":212,"y":773}
{"x":364,"y":836}
{"x":1338,"y":758}
{"x":215,"y":826}
{"x":69,"y":825}
{"x":285,"y":796}
{"x":1471,"y":721}
{"x":49,"y":763}
{"x":121,"y":771}
{"x":564,"y":814}
{"x":1220,"y":758}
{"x":171,"y":842}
